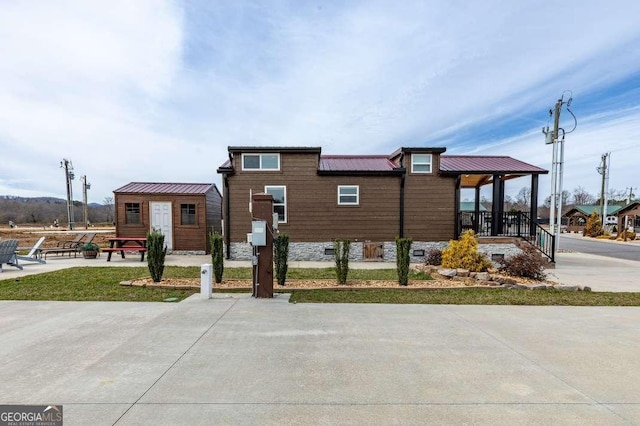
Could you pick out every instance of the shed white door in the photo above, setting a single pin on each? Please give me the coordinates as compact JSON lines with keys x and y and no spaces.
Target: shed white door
{"x":161,"y":218}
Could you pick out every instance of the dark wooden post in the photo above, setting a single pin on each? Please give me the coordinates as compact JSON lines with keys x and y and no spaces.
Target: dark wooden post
{"x":263,"y":272}
{"x":501,"y":207}
{"x":495,"y":208}
{"x":534,"y":205}
{"x":456,"y":208}
{"x":476,"y":211}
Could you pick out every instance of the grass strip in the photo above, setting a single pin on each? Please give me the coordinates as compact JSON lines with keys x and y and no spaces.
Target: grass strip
{"x":467,"y":297}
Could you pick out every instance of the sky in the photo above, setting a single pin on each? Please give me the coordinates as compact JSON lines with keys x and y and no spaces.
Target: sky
{"x":156,"y":90}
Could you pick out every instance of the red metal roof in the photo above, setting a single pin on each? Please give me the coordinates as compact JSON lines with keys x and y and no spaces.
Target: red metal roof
{"x":360,"y":163}
{"x":486,"y":164}
{"x":165,"y":188}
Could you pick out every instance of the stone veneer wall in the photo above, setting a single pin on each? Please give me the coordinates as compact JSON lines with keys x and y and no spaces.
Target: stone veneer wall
{"x":315,"y":251}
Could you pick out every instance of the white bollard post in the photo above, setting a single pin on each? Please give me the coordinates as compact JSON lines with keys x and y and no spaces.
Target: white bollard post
{"x":206,"y":275}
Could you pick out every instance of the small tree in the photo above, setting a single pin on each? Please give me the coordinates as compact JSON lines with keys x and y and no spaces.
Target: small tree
{"x":281,"y":256}
{"x":403,"y":246}
{"x":341,"y":250}
{"x":593,"y":227}
{"x":463,"y":253}
{"x":217,"y":256}
{"x":156,"y":252}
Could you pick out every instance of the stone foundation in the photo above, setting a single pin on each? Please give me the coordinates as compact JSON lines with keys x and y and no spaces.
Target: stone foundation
{"x":323,"y":251}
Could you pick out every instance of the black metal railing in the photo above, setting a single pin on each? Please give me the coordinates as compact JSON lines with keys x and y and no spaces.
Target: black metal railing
{"x":516,"y":224}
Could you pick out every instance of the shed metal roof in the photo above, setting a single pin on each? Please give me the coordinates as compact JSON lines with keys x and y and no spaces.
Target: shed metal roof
{"x":164,"y":188}
{"x":360,"y":163}
{"x":489,"y":164}
{"x":587,"y":210}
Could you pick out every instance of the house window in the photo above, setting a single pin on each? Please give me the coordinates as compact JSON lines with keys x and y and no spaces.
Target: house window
{"x":279,"y":194}
{"x":348,"y":195}
{"x":132,"y":213}
{"x":187,"y":214}
{"x":261,"y":161}
{"x":420,"y":163}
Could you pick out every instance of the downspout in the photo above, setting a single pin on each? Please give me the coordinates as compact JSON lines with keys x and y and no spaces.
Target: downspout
{"x":227,"y":216}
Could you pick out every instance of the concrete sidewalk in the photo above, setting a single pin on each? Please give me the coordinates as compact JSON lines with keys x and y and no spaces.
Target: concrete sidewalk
{"x":237,"y":360}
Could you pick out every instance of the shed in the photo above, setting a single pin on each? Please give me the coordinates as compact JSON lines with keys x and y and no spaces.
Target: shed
{"x":184,"y":212}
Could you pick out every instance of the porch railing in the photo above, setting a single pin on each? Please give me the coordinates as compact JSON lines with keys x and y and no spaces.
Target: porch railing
{"x":516,"y":224}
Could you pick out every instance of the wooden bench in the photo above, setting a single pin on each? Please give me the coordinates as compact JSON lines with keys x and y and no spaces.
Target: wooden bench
{"x":111,"y":250}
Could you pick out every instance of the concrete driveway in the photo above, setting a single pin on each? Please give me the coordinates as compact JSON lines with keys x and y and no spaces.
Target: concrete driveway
{"x":237,"y":360}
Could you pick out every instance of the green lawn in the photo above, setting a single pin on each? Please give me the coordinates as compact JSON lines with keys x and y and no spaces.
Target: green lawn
{"x":467,"y":297}
{"x":103,"y":283}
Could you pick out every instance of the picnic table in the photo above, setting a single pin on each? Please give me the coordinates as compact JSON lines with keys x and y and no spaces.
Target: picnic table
{"x":122,"y":244}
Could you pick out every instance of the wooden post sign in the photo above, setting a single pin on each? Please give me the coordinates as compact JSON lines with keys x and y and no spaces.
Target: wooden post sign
{"x":263,"y":271}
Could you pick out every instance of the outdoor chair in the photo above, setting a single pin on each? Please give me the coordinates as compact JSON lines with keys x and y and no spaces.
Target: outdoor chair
{"x":8,"y":253}
{"x":35,"y":252}
{"x":70,"y":246}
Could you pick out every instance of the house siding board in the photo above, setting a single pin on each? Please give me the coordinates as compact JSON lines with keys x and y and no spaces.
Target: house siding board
{"x":213,"y":217}
{"x":429,"y":204}
{"x":312,"y":206}
{"x":185,"y":237}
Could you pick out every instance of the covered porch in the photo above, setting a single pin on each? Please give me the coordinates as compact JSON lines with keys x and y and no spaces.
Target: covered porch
{"x":475,"y":172}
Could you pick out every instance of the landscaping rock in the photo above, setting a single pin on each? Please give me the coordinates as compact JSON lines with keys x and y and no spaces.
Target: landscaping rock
{"x":457,"y":278}
{"x":567,"y":287}
{"x":448,"y":273}
{"x":505,"y":280}
{"x":586,"y":288}
{"x":472,"y":274}
{"x":482,"y":276}
{"x":539,"y":287}
{"x":462,"y":272}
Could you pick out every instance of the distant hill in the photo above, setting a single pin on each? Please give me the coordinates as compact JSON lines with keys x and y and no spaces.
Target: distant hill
{"x":44,"y":210}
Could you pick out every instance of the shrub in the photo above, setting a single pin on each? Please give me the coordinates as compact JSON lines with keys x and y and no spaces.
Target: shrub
{"x":156,"y":252}
{"x":217,"y":256}
{"x":528,"y":263}
{"x":593,"y":228}
{"x":280,"y":256}
{"x":629,"y":235}
{"x":463,"y":253}
{"x":434,"y":257}
{"x":403,"y":246}
{"x":341,"y":252}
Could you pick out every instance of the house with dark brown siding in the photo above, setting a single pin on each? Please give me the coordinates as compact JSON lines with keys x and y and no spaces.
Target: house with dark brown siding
{"x":368,"y":199}
{"x":184,"y":212}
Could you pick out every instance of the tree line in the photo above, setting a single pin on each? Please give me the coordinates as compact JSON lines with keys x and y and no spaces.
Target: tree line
{"x":46,"y":210}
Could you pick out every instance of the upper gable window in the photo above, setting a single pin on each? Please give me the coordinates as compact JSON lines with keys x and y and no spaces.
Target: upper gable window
{"x":261,"y":161}
{"x":421,"y":163}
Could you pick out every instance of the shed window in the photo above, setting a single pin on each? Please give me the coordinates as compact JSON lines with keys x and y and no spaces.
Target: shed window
{"x":348,"y":195}
{"x":261,"y":161}
{"x":187,"y":214}
{"x":132,"y":213}
{"x":421,"y":163}
{"x":279,"y":194}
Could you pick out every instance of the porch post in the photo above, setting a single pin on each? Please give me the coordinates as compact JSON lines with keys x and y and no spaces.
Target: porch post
{"x":495,"y":210}
{"x":456,"y":208}
{"x":501,"y":207}
{"x":534,"y":205}
{"x":476,"y":211}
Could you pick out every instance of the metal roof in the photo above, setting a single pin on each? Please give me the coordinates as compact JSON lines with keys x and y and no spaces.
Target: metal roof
{"x":587,"y":210}
{"x":352,"y":163}
{"x":489,"y":164}
{"x":287,"y":149}
{"x":164,"y":188}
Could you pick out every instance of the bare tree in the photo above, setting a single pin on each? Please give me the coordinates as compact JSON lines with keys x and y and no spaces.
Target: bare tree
{"x":108,"y":203}
{"x":582,"y":198}
{"x":565,"y":199}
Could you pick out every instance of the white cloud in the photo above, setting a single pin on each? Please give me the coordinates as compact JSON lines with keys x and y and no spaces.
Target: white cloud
{"x":156,"y":90}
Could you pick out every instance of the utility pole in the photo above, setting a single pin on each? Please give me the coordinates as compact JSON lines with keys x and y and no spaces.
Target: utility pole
{"x":85,"y":186}
{"x":69,"y":176}
{"x":603,"y":169}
